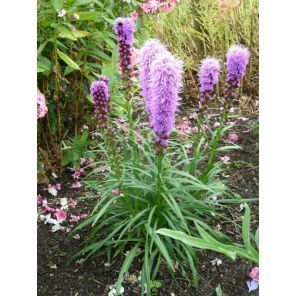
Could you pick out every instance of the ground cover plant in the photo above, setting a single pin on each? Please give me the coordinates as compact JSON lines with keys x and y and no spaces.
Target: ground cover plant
{"x":153,"y":172}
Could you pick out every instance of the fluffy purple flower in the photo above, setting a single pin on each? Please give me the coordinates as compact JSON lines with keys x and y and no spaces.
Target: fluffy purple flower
{"x":148,"y":53}
{"x":208,"y":77}
{"x":237,"y":59}
{"x":166,"y":83}
{"x":124,"y":29}
{"x":99,"y":90}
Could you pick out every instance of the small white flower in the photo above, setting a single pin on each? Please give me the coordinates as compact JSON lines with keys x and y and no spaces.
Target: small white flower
{"x":231,"y":110}
{"x":77,"y":236}
{"x":77,"y":17}
{"x":216,"y":261}
{"x":61,"y":13}
{"x":53,"y":266}
{"x":41,"y":217}
{"x":52,"y":191}
{"x":64,"y":203}
{"x":47,"y":219}
{"x":113,"y":291}
{"x":241,"y":207}
{"x":56,"y":227}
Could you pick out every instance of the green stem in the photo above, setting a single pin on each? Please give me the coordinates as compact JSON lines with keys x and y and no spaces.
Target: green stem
{"x":217,"y":137}
{"x":199,"y":126}
{"x":159,"y":174}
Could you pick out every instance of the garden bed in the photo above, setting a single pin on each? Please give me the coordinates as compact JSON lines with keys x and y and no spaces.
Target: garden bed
{"x":94,"y":277}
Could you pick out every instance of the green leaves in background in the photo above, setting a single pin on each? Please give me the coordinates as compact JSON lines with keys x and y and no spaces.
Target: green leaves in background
{"x":67,"y":60}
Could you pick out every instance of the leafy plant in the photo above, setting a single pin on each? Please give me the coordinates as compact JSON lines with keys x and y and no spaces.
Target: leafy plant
{"x":75,"y":148}
{"x":75,"y":42}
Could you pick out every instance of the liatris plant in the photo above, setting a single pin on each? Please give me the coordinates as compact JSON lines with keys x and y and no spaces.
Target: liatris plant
{"x":124,"y":29}
{"x":208,"y":77}
{"x":148,"y":53}
{"x":237,"y":59}
{"x":99,"y":90}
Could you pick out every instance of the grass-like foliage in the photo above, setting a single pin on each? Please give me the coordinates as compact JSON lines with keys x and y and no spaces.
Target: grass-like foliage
{"x":154,"y":192}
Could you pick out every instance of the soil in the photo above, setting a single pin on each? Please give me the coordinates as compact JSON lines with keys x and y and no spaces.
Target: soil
{"x":94,"y":277}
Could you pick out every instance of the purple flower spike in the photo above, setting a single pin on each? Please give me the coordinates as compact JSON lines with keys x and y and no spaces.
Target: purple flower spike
{"x":166,"y":83}
{"x":124,"y":29}
{"x":208,"y":77}
{"x":237,"y":60}
{"x":99,"y":90}
{"x":148,"y":53}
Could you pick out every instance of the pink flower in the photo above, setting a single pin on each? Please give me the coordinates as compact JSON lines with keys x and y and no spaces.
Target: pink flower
{"x":225,"y":158}
{"x":232,"y":137}
{"x":39,"y":199}
{"x":76,"y":185}
{"x":115,"y":192}
{"x":60,"y":215}
{"x":216,"y":124}
{"x":77,"y":173}
{"x":72,"y":203}
{"x":134,"y":15}
{"x":48,"y":209}
{"x":74,"y":218}
{"x":135,"y":73}
{"x":57,"y":186}
{"x":41,"y":106}
{"x":139,"y":139}
{"x":184,"y":127}
{"x":194,"y":129}
{"x":83,"y":216}
{"x":205,"y":127}
{"x":254,"y":274}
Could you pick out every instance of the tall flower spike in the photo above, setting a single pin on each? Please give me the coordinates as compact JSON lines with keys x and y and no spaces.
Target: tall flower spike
{"x":148,"y":53}
{"x":208,"y":77}
{"x":124,"y":29}
{"x":99,"y":90}
{"x":237,"y":59}
{"x":166,"y":83}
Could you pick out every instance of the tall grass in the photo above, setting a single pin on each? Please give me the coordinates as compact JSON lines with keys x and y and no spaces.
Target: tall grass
{"x":196,"y":29}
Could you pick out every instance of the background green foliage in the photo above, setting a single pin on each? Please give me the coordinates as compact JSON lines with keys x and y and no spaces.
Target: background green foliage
{"x":197,"y":29}
{"x":71,"y":54}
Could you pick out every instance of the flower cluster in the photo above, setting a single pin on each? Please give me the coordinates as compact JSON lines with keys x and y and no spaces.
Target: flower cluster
{"x":154,"y":6}
{"x":166,"y":83}
{"x":99,"y":90}
{"x":41,"y":106}
{"x":124,"y":29}
{"x":208,"y":77}
{"x":149,"y":51}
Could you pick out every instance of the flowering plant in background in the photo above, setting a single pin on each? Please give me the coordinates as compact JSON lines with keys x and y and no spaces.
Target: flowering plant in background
{"x":155,"y":6}
{"x":124,"y":29}
{"x":41,"y":106}
{"x":237,"y":59}
{"x":99,"y":90}
{"x":254,"y":283}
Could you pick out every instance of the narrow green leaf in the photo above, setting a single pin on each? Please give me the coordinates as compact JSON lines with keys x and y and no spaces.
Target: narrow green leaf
{"x":219,"y":291}
{"x":67,"y":60}
{"x":125,"y":267}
